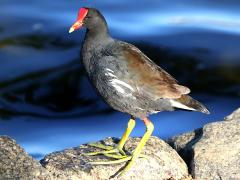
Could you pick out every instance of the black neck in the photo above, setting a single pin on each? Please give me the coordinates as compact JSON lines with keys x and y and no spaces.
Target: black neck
{"x":100,"y":30}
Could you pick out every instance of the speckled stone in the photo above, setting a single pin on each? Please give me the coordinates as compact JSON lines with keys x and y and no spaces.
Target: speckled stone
{"x":15,"y":163}
{"x":163,"y":163}
{"x":235,"y":116}
{"x":212,"y":152}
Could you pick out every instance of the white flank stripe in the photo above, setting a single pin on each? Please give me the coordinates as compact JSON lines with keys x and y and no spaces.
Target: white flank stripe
{"x":110,"y":74}
{"x":118,"y":82}
{"x":180,"y":105}
{"x":119,"y":88}
{"x":109,"y":70}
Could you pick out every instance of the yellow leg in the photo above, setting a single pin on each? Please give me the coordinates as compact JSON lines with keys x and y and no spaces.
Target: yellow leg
{"x":108,"y":150}
{"x":131,"y":125}
{"x":136,"y":153}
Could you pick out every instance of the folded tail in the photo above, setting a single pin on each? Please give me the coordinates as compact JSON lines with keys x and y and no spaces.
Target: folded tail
{"x":188,"y":103}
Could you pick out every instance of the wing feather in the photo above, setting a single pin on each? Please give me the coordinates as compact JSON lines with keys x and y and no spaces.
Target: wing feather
{"x":149,"y":77}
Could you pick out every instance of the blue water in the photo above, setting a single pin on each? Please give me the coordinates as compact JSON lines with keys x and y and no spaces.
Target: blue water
{"x":46,"y":101}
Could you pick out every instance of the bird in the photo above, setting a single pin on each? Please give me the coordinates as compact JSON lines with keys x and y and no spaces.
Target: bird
{"x":129,"y":82}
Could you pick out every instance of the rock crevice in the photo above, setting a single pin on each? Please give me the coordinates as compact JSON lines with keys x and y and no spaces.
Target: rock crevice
{"x":212,"y":152}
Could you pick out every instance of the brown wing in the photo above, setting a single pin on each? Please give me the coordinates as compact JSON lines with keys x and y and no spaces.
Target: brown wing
{"x":150,"y":78}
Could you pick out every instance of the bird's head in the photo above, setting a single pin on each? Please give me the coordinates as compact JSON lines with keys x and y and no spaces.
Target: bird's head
{"x":90,"y":18}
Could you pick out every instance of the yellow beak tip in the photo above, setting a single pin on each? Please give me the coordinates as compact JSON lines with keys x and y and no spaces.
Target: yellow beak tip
{"x":71,"y":30}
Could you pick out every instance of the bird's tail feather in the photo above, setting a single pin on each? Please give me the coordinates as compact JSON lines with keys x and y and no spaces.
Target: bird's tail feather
{"x":189,"y":103}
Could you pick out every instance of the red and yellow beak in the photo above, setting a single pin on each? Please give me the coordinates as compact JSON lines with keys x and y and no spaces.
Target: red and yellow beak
{"x":78,"y":24}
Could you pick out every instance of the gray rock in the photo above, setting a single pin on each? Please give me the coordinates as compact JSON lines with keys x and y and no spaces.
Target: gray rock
{"x":162,"y":163}
{"x":235,"y":116}
{"x":212,"y":152}
{"x":15,"y":163}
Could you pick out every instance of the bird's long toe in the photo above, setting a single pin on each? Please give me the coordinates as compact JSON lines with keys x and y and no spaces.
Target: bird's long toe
{"x":129,"y":159}
{"x":108,"y":151}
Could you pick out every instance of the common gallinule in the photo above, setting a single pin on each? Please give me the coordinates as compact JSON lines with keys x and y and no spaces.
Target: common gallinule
{"x":128,"y":81}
